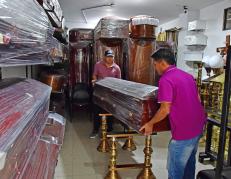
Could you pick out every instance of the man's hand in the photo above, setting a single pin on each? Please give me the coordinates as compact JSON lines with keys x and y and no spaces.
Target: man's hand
{"x":93,"y":82}
{"x":147,"y":128}
{"x":159,"y":116}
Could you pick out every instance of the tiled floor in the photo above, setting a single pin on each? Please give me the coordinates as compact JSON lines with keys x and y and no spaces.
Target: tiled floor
{"x":79,"y":158}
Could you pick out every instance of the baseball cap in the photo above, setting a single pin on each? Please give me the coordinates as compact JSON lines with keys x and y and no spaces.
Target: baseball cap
{"x":109,"y":53}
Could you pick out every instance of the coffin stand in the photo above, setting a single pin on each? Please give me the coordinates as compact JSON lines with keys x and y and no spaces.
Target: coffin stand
{"x":134,"y":104}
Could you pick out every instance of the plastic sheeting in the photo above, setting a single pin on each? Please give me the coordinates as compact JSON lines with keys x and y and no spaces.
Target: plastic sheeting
{"x":132,"y":103}
{"x":54,"y":10}
{"x":44,"y":159}
{"x":23,"y":114}
{"x":112,"y":27}
{"x":144,"y":19}
{"x":143,"y":27}
{"x":80,"y":38}
{"x":26,"y":36}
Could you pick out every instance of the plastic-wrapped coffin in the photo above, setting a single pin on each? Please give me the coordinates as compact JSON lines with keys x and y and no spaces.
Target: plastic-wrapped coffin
{"x":53,"y":9}
{"x":112,"y":33}
{"x":44,"y":159}
{"x":80,"y":38}
{"x":132,"y":103}
{"x":23,"y":114}
{"x":112,"y":27}
{"x":26,"y":36}
{"x":143,"y":27}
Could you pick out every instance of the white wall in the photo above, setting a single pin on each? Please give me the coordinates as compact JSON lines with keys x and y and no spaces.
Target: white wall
{"x":213,"y":15}
{"x":182,"y":22}
{"x":20,"y":71}
{"x":214,"y":18}
{"x":168,"y":25}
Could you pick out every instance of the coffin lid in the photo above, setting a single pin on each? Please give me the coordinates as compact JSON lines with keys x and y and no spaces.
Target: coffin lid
{"x":136,"y":90}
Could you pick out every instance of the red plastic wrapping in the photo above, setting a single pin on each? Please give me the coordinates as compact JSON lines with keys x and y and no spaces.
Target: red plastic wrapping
{"x":80,"y":37}
{"x":55,"y":127}
{"x":132,"y":103}
{"x":26,"y":35}
{"x":44,"y":159}
{"x":23,"y":114}
{"x":112,"y":27}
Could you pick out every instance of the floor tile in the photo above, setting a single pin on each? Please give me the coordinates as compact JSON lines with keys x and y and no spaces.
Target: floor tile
{"x":79,"y":158}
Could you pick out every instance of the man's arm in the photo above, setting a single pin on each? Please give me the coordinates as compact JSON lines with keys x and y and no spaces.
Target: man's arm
{"x":118,"y":73}
{"x":161,"y":114}
{"x":94,"y":76}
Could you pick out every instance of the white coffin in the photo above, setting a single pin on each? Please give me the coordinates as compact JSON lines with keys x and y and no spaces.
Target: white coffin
{"x":197,"y":25}
{"x":193,"y":56}
{"x":199,"y":39}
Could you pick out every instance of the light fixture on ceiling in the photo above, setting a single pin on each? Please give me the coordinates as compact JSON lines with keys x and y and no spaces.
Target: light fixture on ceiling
{"x":185,"y":9}
{"x":94,"y":7}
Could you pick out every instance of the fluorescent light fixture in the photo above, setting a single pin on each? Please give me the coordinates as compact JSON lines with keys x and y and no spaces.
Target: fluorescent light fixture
{"x":5,"y":17}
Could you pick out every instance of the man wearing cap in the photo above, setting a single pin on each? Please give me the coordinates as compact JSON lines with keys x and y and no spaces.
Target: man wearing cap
{"x":104,"y":68}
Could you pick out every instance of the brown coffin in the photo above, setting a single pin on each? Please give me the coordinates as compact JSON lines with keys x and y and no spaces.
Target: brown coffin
{"x":140,"y":67}
{"x":143,"y":31}
{"x":112,"y":27}
{"x":132,"y":103}
{"x":55,"y":81}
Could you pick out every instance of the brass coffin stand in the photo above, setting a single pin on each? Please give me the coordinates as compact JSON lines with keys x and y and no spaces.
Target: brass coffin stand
{"x":104,"y":146}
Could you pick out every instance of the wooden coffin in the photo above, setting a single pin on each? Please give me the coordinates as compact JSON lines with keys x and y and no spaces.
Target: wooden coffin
{"x":112,"y":27}
{"x":143,"y":27}
{"x":80,"y":38}
{"x":55,"y":81}
{"x":132,"y":103}
{"x":23,"y":114}
{"x":143,"y":31}
{"x":140,"y":66}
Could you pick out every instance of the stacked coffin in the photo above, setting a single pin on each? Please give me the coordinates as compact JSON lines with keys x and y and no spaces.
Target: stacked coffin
{"x":23,"y":116}
{"x":141,"y":46}
{"x":112,"y":33}
{"x":44,"y":159}
{"x":80,"y":55}
{"x":26,"y":35}
{"x":132,"y":103}
{"x":54,"y":11}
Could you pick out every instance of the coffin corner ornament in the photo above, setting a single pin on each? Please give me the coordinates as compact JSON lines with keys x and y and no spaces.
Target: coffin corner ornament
{"x":132,"y":103}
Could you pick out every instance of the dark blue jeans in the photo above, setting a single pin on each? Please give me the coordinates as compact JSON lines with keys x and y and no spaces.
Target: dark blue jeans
{"x":182,"y":158}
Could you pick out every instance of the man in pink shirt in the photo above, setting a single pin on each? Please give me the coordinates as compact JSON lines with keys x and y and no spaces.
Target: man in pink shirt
{"x":104,"y":68}
{"x":179,"y":99}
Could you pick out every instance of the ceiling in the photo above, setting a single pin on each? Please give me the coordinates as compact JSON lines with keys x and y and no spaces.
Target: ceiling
{"x":164,"y":10}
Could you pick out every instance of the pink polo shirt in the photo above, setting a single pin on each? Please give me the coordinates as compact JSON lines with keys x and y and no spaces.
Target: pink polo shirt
{"x":187,"y":115}
{"x":101,"y":70}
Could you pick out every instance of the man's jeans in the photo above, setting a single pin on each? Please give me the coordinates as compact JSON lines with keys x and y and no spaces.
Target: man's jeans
{"x":182,"y":158}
